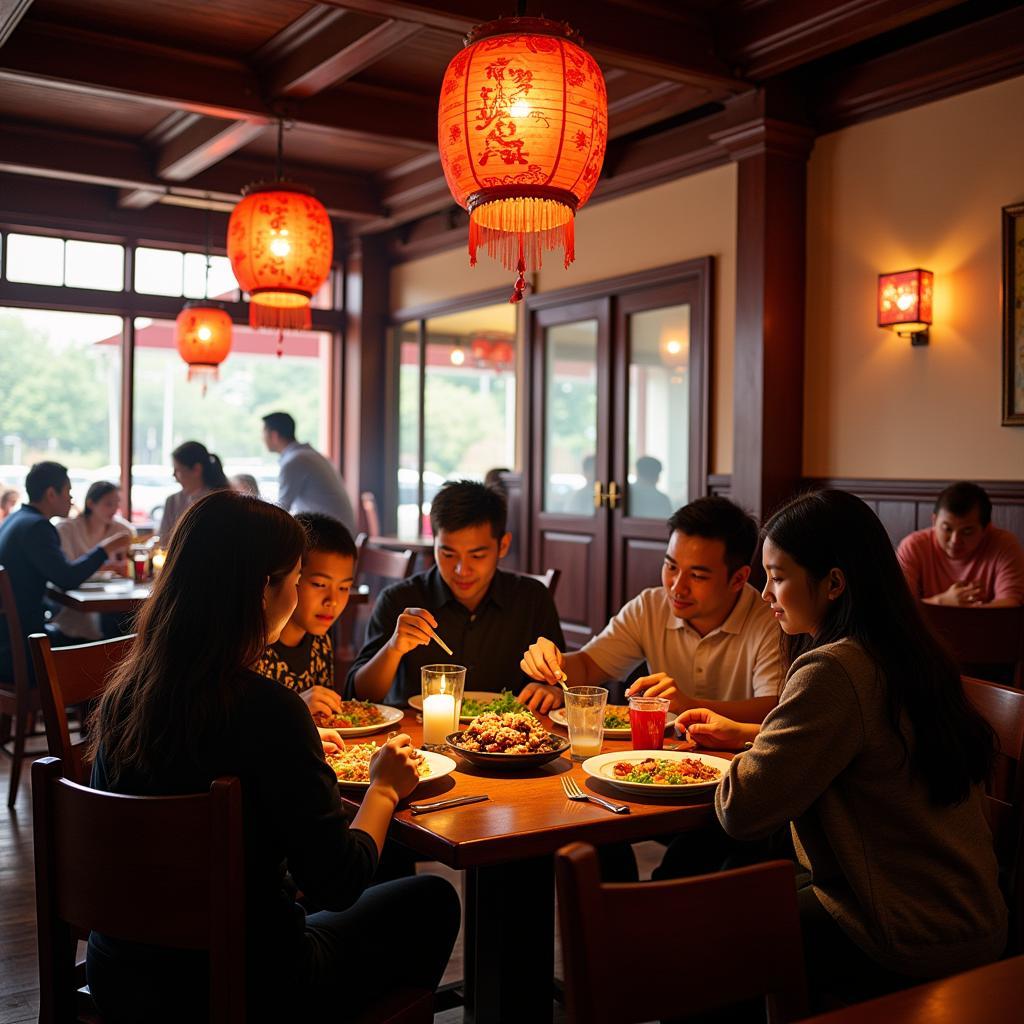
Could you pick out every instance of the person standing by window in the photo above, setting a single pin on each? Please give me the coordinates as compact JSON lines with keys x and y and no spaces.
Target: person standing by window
{"x":306,"y":481}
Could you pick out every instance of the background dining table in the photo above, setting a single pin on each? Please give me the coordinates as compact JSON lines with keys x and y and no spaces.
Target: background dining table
{"x":506,"y":845}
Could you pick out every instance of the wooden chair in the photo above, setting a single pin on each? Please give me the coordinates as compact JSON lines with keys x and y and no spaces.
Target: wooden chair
{"x":70,"y":676}
{"x":19,"y":700}
{"x":1003,"y":709}
{"x":984,"y":641}
{"x":167,"y":871}
{"x":369,"y":517}
{"x":613,"y":931}
{"x":549,"y":579}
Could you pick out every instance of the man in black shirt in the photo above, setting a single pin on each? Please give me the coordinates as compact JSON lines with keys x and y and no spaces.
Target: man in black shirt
{"x":483,"y":614}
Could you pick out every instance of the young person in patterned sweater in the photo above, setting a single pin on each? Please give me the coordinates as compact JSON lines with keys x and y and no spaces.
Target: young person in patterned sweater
{"x":303,"y":657}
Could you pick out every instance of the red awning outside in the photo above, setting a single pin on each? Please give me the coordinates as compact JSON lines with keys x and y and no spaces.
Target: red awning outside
{"x":247,"y":340}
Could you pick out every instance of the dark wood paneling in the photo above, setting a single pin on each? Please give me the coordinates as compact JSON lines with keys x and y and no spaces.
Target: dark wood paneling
{"x":642,"y":560}
{"x":582,"y":603}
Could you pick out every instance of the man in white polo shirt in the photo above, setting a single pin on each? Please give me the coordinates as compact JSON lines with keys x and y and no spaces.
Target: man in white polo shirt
{"x":706,"y":635}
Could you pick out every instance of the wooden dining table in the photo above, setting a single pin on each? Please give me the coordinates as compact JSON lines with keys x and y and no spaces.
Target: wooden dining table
{"x":506,"y":845}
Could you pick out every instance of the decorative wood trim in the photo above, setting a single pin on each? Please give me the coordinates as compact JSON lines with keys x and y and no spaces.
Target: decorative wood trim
{"x":1012,"y":417}
{"x":445,"y":306}
{"x":1003,"y":492}
{"x":979,"y":54}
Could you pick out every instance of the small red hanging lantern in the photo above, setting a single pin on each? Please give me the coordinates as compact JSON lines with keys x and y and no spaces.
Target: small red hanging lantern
{"x":522,"y":127}
{"x":203,"y":333}
{"x":280,"y":244}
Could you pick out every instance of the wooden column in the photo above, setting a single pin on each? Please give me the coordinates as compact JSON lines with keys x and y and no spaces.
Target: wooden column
{"x":367,"y":430}
{"x":769,"y":352}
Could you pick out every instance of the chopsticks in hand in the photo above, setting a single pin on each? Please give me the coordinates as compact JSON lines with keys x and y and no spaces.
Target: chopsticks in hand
{"x":447,"y":650}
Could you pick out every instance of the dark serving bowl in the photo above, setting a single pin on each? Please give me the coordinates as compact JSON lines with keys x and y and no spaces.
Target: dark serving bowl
{"x":483,"y":759}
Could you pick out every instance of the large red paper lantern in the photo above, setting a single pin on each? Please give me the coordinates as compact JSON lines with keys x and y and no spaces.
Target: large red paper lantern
{"x":203,"y":333}
{"x":280,"y":244}
{"x":522,"y":127}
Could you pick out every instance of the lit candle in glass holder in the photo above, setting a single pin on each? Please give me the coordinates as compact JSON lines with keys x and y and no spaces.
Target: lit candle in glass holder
{"x":157,"y":561}
{"x":442,"y":701}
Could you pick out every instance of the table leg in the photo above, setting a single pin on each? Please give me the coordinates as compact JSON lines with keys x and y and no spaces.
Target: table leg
{"x":509,"y":942}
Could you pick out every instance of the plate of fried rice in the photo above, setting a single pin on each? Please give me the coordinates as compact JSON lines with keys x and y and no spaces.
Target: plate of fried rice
{"x":514,"y":739}
{"x":657,"y":771}
{"x":352,"y":765}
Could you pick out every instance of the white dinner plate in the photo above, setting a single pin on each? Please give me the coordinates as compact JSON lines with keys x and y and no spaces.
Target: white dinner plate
{"x":484,"y":696}
{"x":558,"y":717}
{"x":602,"y":767}
{"x":391,"y":716}
{"x":440,"y":766}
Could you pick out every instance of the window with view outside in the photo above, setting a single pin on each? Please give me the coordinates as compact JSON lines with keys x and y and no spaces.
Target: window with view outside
{"x":253,"y":381}
{"x":60,"y":395}
{"x":469,"y":400}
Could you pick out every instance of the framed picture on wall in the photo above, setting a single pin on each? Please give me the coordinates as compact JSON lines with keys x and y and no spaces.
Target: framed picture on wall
{"x":1013,"y":315}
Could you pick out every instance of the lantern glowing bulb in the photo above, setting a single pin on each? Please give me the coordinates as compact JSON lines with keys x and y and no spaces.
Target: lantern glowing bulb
{"x":280,"y":247}
{"x":458,"y":357}
{"x":522,"y":126}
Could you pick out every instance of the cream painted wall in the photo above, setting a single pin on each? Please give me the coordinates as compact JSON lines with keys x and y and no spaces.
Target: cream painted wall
{"x":680,"y":220}
{"x":921,"y":188}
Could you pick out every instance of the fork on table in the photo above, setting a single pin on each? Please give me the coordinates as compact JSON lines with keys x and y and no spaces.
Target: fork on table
{"x":573,"y":792}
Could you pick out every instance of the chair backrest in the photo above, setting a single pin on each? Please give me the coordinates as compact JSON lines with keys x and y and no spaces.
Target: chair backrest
{"x":979,"y":636}
{"x":549,"y":579}
{"x":167,"y":871}
{"x":1003,"y":708}
{"x":632,"y":930}
{"x":380,"y":564}
{"x":370,"y":518}
{"x":68,"y":676}
{"x":12,"y":623}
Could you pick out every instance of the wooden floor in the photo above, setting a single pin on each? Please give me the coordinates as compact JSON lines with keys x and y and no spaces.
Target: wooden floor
{"x":19,"y":980}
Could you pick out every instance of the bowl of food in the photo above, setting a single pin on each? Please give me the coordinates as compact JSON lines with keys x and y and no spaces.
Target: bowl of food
{"x":511,"y":739}
{"x":352,"y":765}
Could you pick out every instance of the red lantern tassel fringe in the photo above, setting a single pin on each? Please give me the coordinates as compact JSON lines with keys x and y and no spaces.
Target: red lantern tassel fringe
{"x":288,"y":318}
{"x":515,"y":230}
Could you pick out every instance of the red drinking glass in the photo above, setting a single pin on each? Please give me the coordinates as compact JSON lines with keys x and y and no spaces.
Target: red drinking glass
{"x":647,"y":722}
{"x":140,"y":563}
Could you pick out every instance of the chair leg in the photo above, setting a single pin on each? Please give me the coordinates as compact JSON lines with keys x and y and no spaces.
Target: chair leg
{"x":17,"y":757}
{"x":5,"y":728}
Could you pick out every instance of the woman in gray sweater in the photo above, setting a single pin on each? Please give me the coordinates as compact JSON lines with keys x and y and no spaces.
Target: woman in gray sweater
{"x":874,"y":755}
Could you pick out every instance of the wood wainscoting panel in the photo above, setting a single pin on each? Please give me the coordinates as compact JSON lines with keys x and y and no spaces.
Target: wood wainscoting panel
{"x":642,"y":560}
{"x":581,"y":605}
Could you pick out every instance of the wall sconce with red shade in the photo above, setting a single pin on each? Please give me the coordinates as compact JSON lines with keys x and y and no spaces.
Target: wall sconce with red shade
{"x":905,"y":304}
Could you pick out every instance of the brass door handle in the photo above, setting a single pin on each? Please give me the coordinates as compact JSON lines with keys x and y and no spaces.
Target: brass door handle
{"x":613,"y":494}
{"x":598,"y":494}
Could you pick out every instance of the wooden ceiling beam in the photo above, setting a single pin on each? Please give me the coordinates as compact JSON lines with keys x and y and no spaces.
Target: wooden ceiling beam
{"x":97,"y":64}
{"x":204,"y":144}
{"x":677,"y":47}
{"x":11,"y":13}
{"x":121,"y":164}
{"x":765,"y":40}
{"x":981,"y":53}
{"x":344,"y":47}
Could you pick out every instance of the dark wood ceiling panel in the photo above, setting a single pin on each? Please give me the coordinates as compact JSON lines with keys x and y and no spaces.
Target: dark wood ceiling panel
{"x":418,"y":65}
{"x":311,"y":146}
{"x":31,"y":101}
{"x":232,"y":28}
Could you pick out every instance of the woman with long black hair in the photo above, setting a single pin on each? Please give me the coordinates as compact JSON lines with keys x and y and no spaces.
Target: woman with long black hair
{"x":875,"y":756}
{"x":186,"y":707}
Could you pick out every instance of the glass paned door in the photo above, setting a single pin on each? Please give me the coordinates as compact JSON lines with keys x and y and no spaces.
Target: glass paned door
{"x":658,"y":405}
{"x":570,"y":404}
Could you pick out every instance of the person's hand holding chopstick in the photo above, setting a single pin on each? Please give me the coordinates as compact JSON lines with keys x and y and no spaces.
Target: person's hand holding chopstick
{"x":415,"y":627}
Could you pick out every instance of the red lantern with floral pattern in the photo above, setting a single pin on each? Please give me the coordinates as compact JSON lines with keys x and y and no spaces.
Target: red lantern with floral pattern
{"x":280,"y":244}
{"x":522,"y":128}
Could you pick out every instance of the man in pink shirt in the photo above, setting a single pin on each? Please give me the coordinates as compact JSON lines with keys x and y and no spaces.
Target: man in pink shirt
{"x":963,"y":559}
